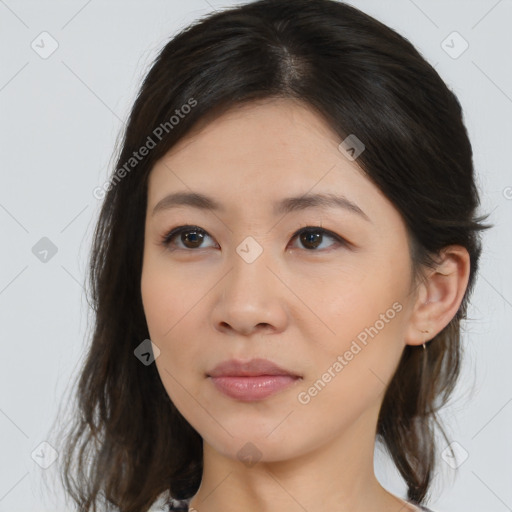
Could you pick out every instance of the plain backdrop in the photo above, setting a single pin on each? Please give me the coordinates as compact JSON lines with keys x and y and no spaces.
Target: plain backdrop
{"x":69,"y":74}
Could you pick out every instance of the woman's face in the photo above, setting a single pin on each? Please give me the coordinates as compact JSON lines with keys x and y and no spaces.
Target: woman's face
{"x":331,"y":306}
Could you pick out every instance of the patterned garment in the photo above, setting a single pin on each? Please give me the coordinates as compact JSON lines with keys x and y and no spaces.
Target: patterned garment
{"x":179,"y":505}
{"x":165,"y":503}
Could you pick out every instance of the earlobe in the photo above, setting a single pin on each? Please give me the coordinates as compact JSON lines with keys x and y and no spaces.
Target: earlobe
{"x":439,"y":296}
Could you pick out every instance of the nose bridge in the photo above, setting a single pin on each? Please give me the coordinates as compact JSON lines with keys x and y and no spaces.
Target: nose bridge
{"x":250,"y":273}
{"x":250,"y":292}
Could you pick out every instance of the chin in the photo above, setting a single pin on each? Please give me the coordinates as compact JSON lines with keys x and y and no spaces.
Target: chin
{"x":262,"y":444}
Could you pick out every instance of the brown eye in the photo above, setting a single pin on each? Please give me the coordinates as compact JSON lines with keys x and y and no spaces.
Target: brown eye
{"x":312,"y":238}
{"x":191,"y":237}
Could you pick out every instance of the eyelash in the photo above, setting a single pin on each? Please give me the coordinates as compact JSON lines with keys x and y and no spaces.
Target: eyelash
{"x":169,"y":236}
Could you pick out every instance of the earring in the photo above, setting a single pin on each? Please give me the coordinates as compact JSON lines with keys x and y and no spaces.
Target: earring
{"x":424,"y":347}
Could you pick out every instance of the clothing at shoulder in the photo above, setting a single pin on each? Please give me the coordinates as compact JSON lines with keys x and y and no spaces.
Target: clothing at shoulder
{"x":182,"y":506}
{"x":178,"y":505}
{"x":165,"y":503}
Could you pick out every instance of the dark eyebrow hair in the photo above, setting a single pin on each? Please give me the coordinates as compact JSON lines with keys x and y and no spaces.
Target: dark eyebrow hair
{"x":289,"y":204}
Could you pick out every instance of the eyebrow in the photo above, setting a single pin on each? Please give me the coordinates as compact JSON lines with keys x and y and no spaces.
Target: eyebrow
{"x":289,"y":204}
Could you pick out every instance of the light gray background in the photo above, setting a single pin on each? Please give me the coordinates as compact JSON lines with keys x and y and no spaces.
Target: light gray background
{"x":60,"y":119}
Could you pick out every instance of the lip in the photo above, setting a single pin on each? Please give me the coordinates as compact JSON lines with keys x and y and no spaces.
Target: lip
{"x":254,"y":380}
{"x":253,"y":368}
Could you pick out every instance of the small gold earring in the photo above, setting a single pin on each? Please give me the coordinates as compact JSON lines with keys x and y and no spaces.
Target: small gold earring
{"x":424,"y":347}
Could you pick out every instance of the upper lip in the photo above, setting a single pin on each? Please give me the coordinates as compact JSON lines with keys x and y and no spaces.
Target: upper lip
{"x":254,"y":367}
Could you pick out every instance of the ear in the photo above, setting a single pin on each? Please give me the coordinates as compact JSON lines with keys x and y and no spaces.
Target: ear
{"x":439,"y":296}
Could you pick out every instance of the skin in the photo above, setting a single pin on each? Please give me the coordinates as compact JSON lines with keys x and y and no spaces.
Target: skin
{"x":297,"y":305}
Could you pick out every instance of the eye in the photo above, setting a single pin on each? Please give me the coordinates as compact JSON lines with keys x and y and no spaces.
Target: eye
{"x":312,"y":237}
{"x":192,"y":237}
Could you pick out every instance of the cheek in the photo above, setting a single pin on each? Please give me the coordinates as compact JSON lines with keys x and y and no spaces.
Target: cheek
{"x":158,"y":306}
{"x":172,"y":304}
{"x":366,"y":322}
{"x":347,"y":305}
{"x":167,"y":296}
{"x":166,"y":317}
{"x":367,"y":336}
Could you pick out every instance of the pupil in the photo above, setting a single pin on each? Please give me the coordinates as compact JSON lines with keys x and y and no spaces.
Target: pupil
{"x":311,"y":238}
{"x":193,"y":237}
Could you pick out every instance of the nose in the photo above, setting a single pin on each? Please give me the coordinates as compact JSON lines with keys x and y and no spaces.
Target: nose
{"x":250,"y":299}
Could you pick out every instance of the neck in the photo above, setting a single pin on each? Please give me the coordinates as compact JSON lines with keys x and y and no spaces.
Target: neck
{"x":337,"y":476}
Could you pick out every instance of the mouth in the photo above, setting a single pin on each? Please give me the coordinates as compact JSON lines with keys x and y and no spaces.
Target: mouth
{"x":251,"y":389}
{"x":254,"y":380}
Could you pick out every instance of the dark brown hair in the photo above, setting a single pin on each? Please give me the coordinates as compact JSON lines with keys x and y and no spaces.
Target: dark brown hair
{"x":127,"y":442}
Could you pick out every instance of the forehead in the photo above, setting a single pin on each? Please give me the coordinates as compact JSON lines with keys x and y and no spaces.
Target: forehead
{"x":270,"y":129}
{"x":262,"y":152}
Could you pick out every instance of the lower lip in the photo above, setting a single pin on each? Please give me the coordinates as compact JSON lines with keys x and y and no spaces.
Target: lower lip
{"x":250,"y":389}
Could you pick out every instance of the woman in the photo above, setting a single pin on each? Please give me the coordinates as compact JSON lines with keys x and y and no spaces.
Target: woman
{"x":283,"y":258}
